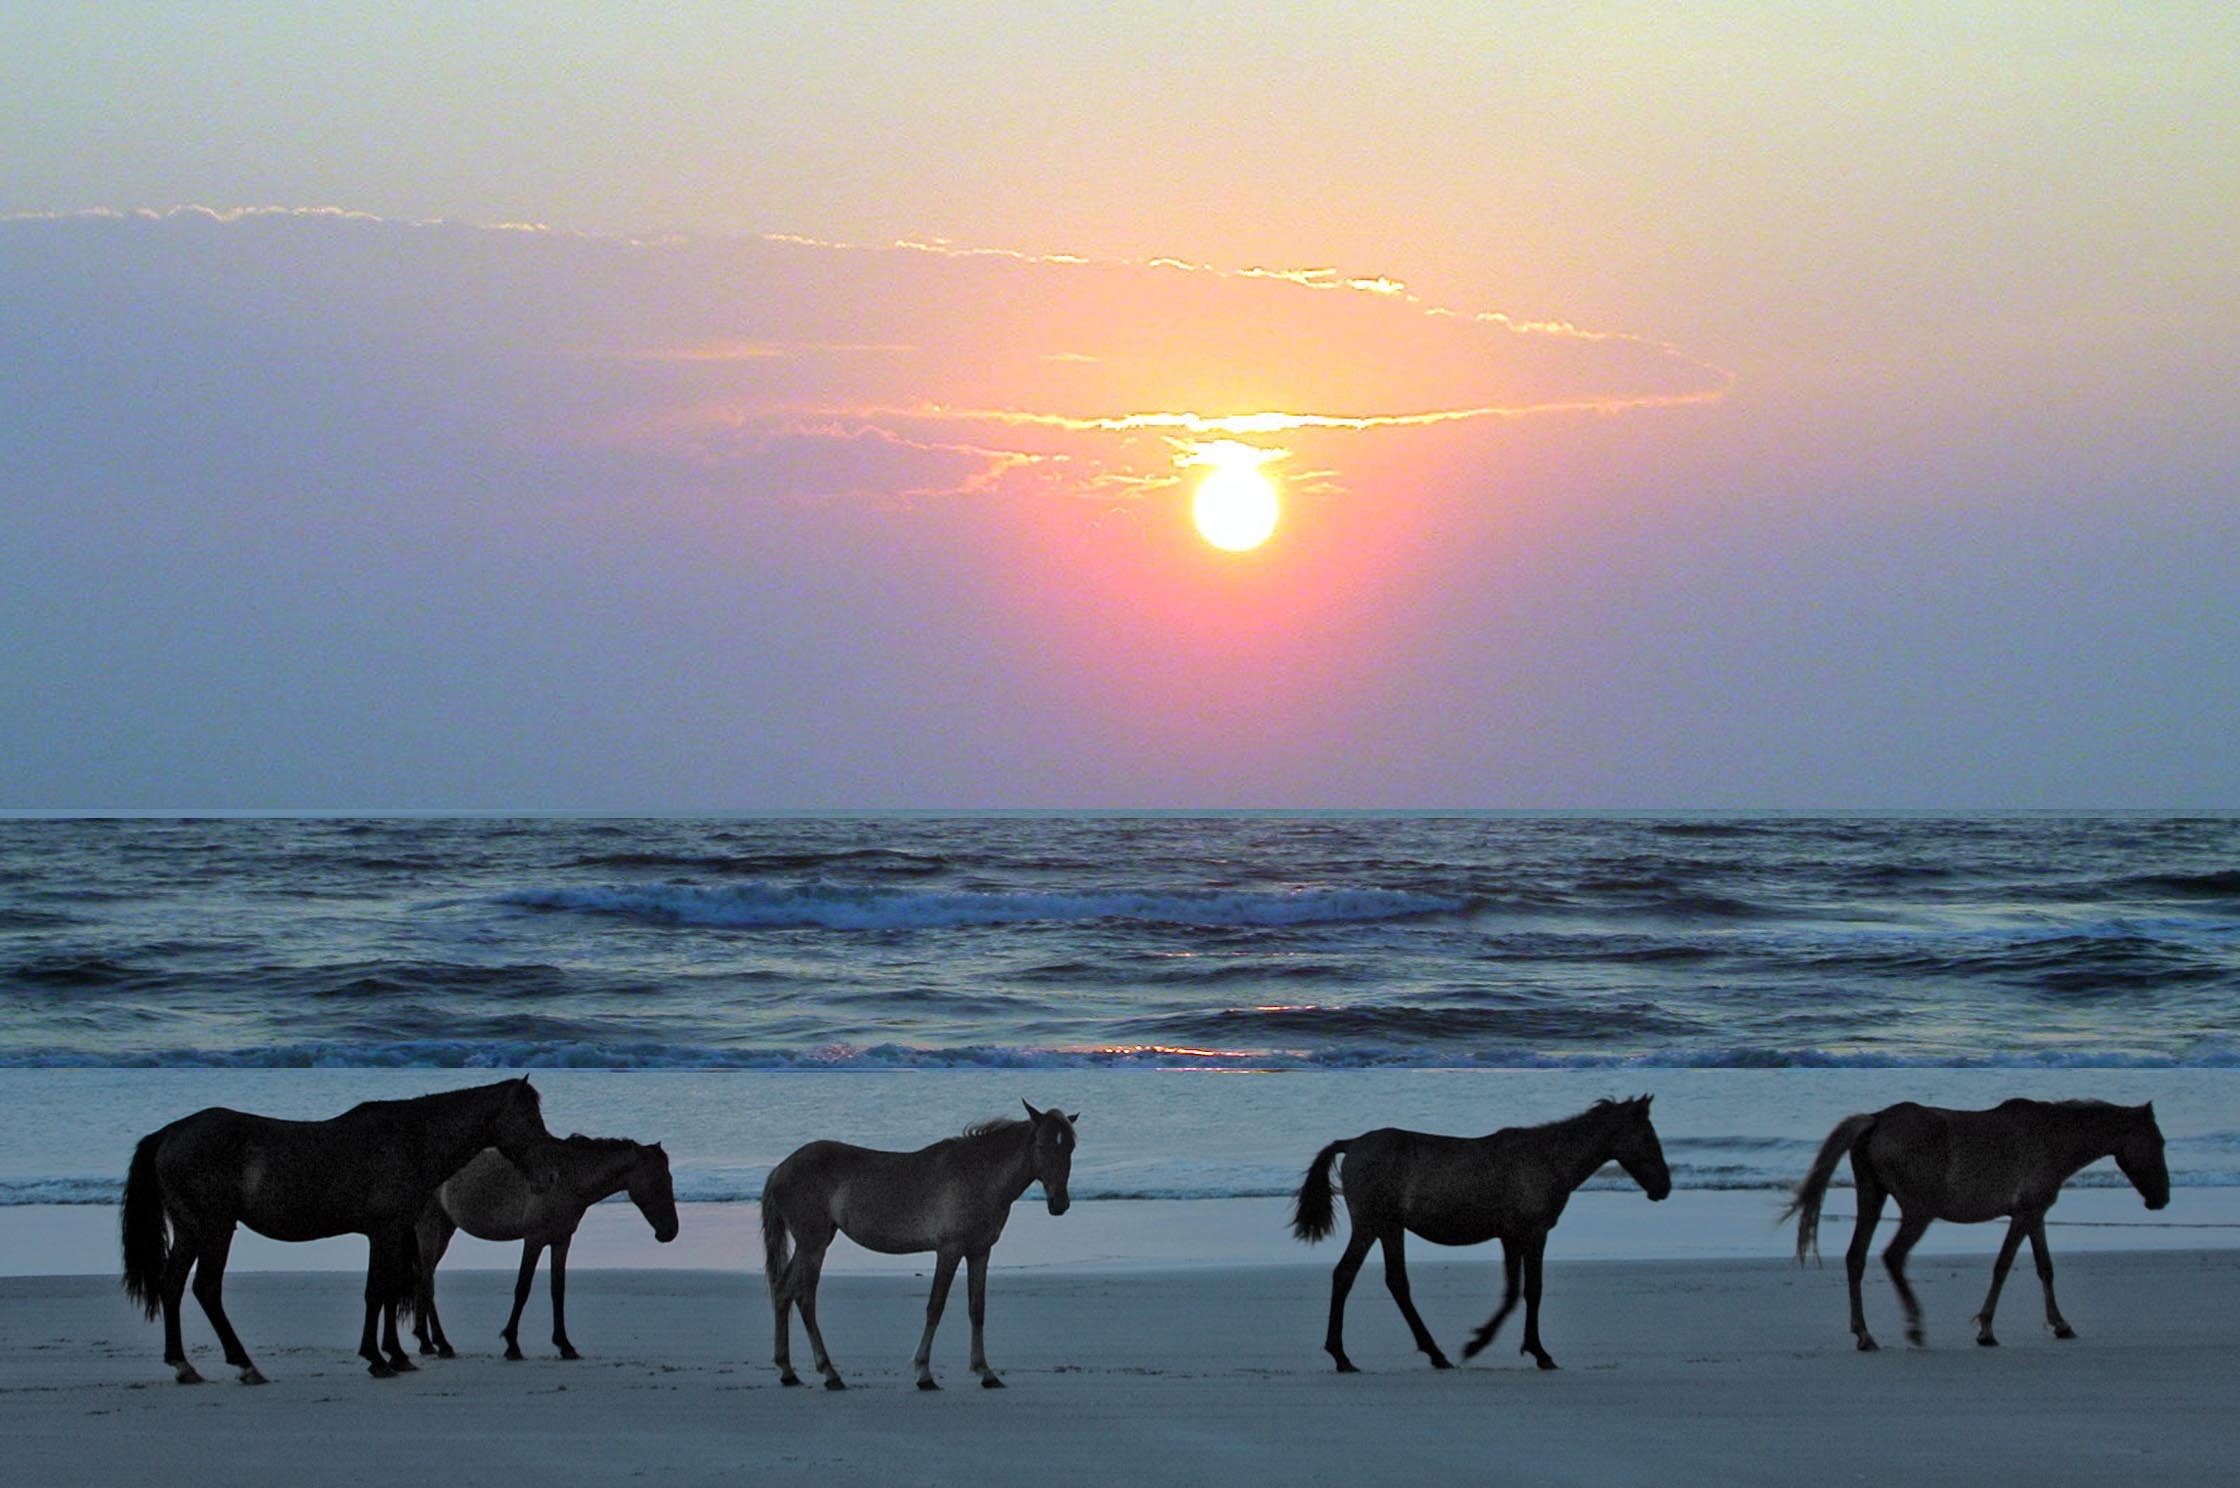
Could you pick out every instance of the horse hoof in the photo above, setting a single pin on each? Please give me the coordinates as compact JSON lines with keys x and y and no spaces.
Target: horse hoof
{"x":1867,"y":1345}
{"x":1985,"y":1340}
{"x":380,"y":1369}
{"x":836,"y":1383}
{"x":1347,"y":1366}
{"x":1917,"y":1338}
{"x":990,"y":1382}
{"x":1441,"y":1361}
{"x":251,"y":1375}
{"x":514,"y":1353}
{"x":927,"y":1384}
{"x":446,"y":1351}
{"x":185,"y":1373}
{"x":1546,"y":1363}
{"x":569,"y":1353}
{"x":2064,"y":1331}
{"x":789,"y":1378}
{"x":403,"y":1364}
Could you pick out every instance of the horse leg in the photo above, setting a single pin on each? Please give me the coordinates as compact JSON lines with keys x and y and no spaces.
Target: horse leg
{"x":404,"y":1260}
{"x":1341,"y":1282}
{"x":1910,"y":1231}
{"x":1396,"y":1282}
{"x":1871,"y":1195}
{"x":976,"y":1299}
{"x":1511,"y":1261}
{"x":2007,"y":1248}
{"x":177,"y":1263}
{"x":378,"y":1292}
{"x":781,"y":1306}
{"x":2044,"y":1259}
{"x":1535,"y":1249}
{"x":944,"y":1272}
{"x":810,"y":1261}
{"x":433,"y":1235}
{"x":559,"y":1284}
{"x":524,"y":1282}
{"x":209,"y":1290}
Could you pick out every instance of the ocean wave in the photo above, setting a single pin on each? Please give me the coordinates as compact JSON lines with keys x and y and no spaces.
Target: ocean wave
{"x":2218,"y":884}
{"x":1372,"y":1021}
{"x":72,"y":970}
{"x":531,"y":1053}
{"x":872,"y":860}
{"x":837,"y":907}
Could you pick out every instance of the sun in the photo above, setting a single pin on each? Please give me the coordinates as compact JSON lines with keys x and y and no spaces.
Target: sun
{"x":1236,"y":506}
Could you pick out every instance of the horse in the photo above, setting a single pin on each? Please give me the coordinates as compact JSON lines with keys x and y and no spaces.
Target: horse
{"x":1968,"y":1167}
{"x":1511,"y":1185}
{"x":491,"y":1200}
{"x":366,"y":1172}
{"x":951,"y":1198}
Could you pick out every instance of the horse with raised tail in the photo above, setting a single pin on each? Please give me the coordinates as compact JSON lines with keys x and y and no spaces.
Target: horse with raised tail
{"x":1969,"y":1167}
{"x":1510,"y":1185}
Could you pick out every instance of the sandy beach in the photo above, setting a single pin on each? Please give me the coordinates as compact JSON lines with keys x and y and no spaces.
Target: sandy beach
{"x":1698,"y":1371}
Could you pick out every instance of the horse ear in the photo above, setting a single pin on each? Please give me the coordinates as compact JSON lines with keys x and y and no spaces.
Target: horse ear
{"x":1032,"y":1113}
{"x":1644,"y":1101}
{"x":1074,"y":1118}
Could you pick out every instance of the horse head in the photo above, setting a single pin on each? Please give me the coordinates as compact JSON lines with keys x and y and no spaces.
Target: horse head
{"x":650,"y":1189}
{"x":2139,"y":1153}
{"x":1637,"y":1149}
{"x":1053,"y":1153}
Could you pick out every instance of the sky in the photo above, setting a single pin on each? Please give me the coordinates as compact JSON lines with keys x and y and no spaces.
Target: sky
{"x":799,"y":407}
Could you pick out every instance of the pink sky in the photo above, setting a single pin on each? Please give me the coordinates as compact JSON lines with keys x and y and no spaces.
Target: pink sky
{"x":1674,"y":412}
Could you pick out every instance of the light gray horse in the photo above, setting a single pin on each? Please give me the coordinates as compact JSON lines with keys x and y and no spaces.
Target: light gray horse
{"x":490,"y":1200}
{"x":1511,"y":1185}
{"x":951,"y":1198}
{"x":1970,"y":1166}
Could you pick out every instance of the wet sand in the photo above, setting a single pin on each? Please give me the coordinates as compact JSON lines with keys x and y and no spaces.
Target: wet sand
{"x":1700,"y":1371}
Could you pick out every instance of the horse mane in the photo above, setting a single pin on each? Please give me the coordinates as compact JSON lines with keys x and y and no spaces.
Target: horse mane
{"x":578,"y":1142}
{"x":993,"y":1126}
{"x":2076,"y":1105}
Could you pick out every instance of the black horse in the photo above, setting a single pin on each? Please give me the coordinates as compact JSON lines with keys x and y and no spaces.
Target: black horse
{"x":1511,"y":1185}
{"x":366,"y":1172}
{"x":1970,"y":1166}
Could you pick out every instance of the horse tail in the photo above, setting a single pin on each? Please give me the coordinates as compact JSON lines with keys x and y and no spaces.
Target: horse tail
{"x":777,"y":1247}
{"x":1311,"y":1217}
{"x":146,"y":1248}
{"x":403,"y":1271}
{"x":1849,"y":1133}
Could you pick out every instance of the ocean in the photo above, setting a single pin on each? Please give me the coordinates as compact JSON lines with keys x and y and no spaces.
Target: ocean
{"x":1218,"y":995}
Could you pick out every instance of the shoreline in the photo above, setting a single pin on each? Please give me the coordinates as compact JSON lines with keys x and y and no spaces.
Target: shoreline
{"x":1146,"y":1235}
{"x":1684,"y":1372}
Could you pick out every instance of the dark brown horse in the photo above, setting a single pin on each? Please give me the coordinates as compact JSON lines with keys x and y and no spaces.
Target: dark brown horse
{"x":1968,"y":1167}
{"x":365,"y":1172}
{"x":490,"y":1199}
{"x":1511,"y":1186}
{"x":951,"y":1198}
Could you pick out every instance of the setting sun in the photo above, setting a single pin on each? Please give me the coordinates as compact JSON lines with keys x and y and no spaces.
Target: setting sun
{"x":1236,"y":506}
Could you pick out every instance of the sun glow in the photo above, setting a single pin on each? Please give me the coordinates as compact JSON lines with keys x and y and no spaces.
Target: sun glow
{"x":1236,"y":506}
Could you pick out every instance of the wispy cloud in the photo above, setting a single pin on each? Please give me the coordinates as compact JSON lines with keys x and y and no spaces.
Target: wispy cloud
{"x":775,"y":366}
